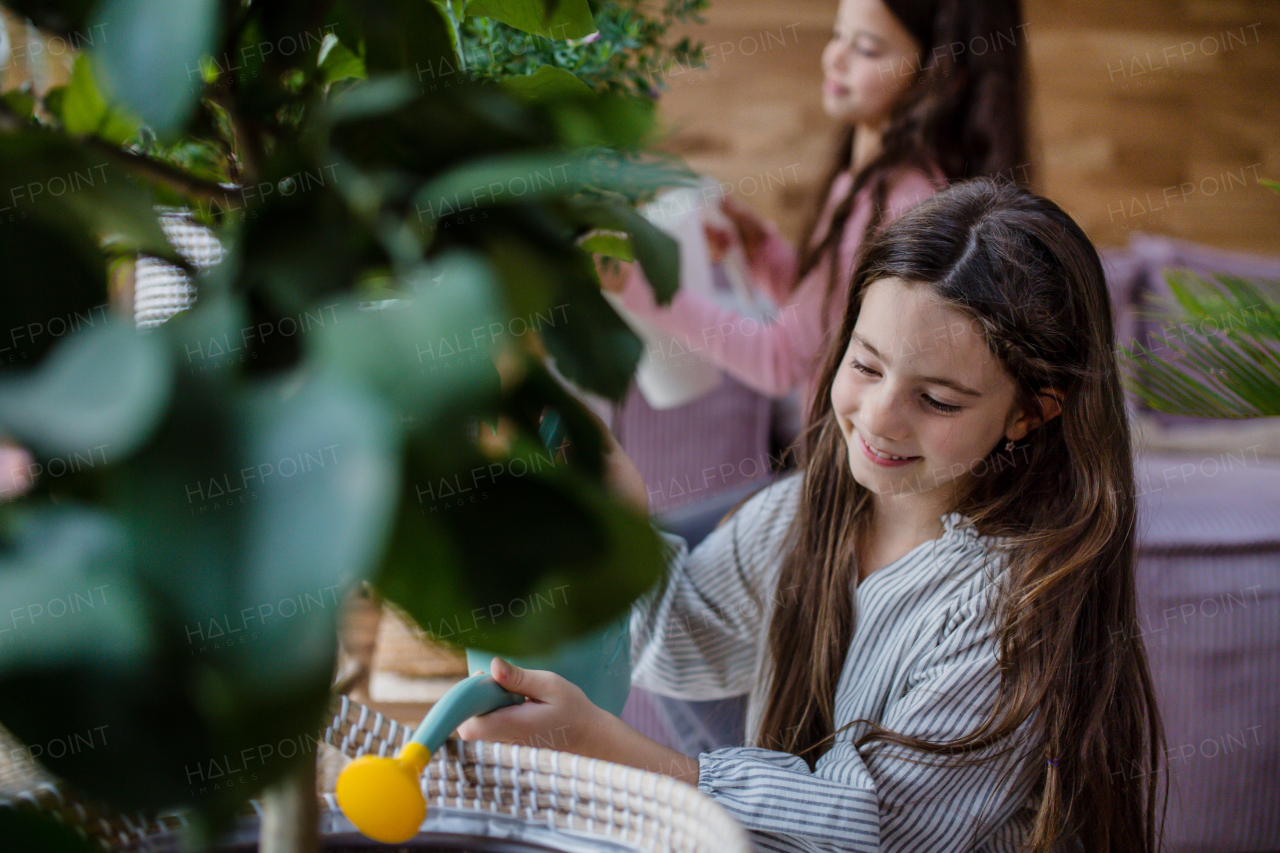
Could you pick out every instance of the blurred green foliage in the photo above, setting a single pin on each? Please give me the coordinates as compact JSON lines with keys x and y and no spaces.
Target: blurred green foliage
{"x":208,"y":491}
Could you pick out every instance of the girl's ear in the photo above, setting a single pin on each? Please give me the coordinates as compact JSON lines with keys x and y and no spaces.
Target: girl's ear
{"x":1050,"y":400}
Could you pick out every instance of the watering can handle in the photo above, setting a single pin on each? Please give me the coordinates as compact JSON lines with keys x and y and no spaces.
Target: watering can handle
{"x":477,"y":694}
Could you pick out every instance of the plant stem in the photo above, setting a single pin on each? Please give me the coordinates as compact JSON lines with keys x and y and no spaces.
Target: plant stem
{"x":290,"y":814}
{"x":163,"y":173}
{"x":457,"y":35}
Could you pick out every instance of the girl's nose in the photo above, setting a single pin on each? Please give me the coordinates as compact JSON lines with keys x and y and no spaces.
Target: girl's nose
{"x":880,"y":413}
{"x":833,"y":60}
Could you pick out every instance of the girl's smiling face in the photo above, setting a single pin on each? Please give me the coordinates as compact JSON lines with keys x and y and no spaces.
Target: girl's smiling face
{"x":868,"y":63}
{"x":919,"y":382}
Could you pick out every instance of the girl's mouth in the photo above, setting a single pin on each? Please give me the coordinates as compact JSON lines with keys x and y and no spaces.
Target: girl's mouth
{"x":883,"y":458}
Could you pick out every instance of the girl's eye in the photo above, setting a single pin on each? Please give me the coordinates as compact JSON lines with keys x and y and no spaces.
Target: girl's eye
{"x":946,"y":408}
{"x":862,"y":368}
{"x":941,"y":407}
{"x":867,"y":47}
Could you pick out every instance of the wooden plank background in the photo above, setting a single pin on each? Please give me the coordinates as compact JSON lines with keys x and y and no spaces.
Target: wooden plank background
{"x":1147,"y":115}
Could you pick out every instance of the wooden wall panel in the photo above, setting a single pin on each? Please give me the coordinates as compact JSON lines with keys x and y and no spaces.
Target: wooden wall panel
{"x":1146,"y":116}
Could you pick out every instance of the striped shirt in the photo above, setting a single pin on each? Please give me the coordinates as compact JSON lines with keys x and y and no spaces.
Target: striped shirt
{"x":922,"y":662}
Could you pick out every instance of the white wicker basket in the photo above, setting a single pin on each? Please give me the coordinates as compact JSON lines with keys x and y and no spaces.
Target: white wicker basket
{"x":533,"y":796}
{"x":161,"y":289}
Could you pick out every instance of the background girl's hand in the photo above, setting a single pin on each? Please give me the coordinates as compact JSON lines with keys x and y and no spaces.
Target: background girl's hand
{"x":751,"y":229}
{"x":718,"y":241}
{"x":556,"y":713}
{"x":613,"y":272}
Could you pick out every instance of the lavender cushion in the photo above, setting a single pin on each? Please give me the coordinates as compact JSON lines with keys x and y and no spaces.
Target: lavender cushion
{"x":1125,"y":273}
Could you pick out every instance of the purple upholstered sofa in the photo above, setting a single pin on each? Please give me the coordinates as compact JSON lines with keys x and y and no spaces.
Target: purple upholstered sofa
{"x":1208,"y":577}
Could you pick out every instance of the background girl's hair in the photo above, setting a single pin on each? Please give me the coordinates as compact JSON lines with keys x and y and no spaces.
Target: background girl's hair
{"x":966,"y":112}
{"x":1032,"y":283}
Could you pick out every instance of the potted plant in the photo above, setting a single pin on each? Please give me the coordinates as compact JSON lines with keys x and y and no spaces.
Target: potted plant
{"x":1231,"y":369}
{"x":208,"y":491}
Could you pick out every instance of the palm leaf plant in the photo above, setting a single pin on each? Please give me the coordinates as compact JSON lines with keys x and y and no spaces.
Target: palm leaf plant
{"x":207,"y":492}
{"x":1233,"y":371}
{"x":1229,"y":365}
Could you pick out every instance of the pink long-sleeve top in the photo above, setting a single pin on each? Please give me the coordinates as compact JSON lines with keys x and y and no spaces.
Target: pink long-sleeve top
{"x":781,"y":352}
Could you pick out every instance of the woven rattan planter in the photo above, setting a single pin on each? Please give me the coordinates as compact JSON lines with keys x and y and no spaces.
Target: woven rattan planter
{"x":481,"y":797}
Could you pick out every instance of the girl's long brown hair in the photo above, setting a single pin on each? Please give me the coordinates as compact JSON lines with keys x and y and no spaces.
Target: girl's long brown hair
{"x":965,"y":112}
{"x":1029,"y":279}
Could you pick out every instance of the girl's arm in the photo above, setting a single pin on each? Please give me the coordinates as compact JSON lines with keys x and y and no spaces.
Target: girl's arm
{"x":876,"y":798}
{"x":771,"y":260}
{"x":776,"y":354}
{"x":773,"y":267}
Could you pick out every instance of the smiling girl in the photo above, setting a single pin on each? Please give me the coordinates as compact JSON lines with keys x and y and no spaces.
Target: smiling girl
{"x":925,"y":92}
{"x":930,"y":617}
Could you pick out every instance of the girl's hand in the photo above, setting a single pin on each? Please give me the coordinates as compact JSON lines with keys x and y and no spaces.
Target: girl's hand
{"x":751,"y":229}
{"x":718,"y":241}
{"x":555,"y":715}
{"x":558,"y":715}
{"x":613,"y":272}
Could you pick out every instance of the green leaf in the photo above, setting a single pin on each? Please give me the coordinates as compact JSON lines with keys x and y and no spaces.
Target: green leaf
{"x":278,"y":485}
{"x":609,"y":244}
{"x":325,"y":483}
{"x":150,"y":59}
{"x":68,"y":596}
{"x":1228,"y":366}
{"x":375,"y":97}
{"x":594,"y":348}
{"x":546,"y":83}
{"x":528,"y":176}
{"x":336,"y":62}
{"x":408,"y":37}
{"x":429,"y":356}
{"x":570,"y":558}
{"x":20,"y":102}
{"x":55,"y":283}
{"x":85,"y":111}
{"x":657,"y":252}
{"x":559,"y":20}
{"x":304,"y":246}
{"x":105,"y":386}
{"x":67,"y":186}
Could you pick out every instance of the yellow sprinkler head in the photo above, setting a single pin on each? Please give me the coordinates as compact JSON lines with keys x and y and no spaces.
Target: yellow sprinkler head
{"x":383,"y":796}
